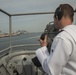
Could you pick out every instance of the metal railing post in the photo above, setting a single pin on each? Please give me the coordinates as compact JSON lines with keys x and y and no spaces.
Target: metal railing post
{"x":10,"y":33}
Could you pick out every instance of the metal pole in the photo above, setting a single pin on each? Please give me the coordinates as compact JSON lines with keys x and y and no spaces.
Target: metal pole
{"x":10,"y":33}
{"x":5,"y":12}
{"x":38,"y":13}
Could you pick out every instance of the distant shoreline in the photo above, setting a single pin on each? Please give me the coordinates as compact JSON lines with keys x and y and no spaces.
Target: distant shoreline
{"x":14,"y":34}
{"x":7,"y":35}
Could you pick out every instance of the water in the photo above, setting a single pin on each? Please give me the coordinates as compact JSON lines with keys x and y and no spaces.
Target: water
{"x":30,"y":38}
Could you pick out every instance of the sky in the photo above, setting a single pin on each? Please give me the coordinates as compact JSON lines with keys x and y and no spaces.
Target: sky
{"x":30,"y":23}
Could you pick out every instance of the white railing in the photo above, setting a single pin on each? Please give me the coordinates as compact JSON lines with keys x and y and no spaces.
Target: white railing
{"x":9,"y":49}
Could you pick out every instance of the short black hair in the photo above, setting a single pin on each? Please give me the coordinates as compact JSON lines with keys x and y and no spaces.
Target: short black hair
{"x":64,"y":10}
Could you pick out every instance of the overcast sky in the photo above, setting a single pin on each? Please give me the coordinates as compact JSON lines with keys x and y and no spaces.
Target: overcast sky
{"x":31,"y":23}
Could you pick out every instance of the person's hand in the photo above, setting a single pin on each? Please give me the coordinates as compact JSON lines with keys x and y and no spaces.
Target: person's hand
{"x":43,"y":42}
